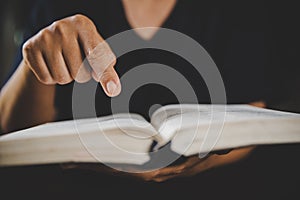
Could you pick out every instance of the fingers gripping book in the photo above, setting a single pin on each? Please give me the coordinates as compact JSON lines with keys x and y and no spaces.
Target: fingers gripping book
{"x":127,"y":138}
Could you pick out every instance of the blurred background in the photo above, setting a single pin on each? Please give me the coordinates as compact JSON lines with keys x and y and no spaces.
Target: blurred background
{"x":13,"y":16}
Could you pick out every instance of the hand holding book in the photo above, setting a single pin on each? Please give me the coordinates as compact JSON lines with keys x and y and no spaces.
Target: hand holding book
{"x":173,"y":144}
{"x":190,"y":166}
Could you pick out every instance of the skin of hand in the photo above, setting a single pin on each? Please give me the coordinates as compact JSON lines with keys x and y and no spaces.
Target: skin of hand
{"x":191,"y":166}
{"x":68,"y":49}
{"x":55,"y":55}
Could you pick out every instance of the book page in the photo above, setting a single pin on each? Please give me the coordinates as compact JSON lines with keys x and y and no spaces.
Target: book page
{"x":70,"y":127}
{"x":175,"y":119}
{"x":168,"y":119}
{"x":122,"y":139}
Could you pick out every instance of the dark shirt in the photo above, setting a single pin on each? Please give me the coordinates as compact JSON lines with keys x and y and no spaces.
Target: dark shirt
{"x":238,"y":37}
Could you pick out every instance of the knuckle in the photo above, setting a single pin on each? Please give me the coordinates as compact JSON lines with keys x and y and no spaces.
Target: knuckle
{"x":82,"y":20}
{"x":104,"y":76}
{"x":62,"y":79}
{"x":27,"y":47}
{"x":45,"y":32}
{"x":102,"y":55}
{"x":45,"y":35}
{"x":78,"y":80}
{"x":75,"y":75}
{"x":75,"y":72}
{"x":45,"y":79}
{"x":61,"y":28}
{"x":82,"y":78}
{"x":28,"y":52}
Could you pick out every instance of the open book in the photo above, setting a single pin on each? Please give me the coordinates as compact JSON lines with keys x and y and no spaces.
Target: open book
{"x":187,"y":129}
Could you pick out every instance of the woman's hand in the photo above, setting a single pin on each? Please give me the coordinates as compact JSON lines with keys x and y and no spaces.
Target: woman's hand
{"x":56,"y":53}
{"x":194,"y":165}
{"x":191,"y":166}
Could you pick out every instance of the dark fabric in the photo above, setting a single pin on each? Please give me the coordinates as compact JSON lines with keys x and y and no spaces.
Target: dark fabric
{"x":268,"y":173}
{"x":240,"y":38}
{"x":214,"y":27}
{"x":237,"y":39}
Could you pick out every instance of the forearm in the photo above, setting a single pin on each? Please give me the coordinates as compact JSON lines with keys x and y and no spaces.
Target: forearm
{"x":25,"y":102}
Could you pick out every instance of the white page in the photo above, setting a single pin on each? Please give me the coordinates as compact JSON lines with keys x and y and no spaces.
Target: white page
{"x":172,"y":119}
{"x":122,"y":138}
{"x":243,"y":125}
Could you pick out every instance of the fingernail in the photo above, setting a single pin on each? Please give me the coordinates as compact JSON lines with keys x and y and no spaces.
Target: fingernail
{"x":111,"y":88}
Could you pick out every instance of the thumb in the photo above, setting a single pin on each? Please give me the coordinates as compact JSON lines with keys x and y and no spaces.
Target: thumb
{"x":109,"y":81}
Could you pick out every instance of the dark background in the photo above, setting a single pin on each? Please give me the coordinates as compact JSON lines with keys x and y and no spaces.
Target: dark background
{"x":282,"y":31}
{"x":13,"y":17}
{"x":271,"y":172}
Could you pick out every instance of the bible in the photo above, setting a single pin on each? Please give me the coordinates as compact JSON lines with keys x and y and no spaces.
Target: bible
{"x":127,"y":138}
